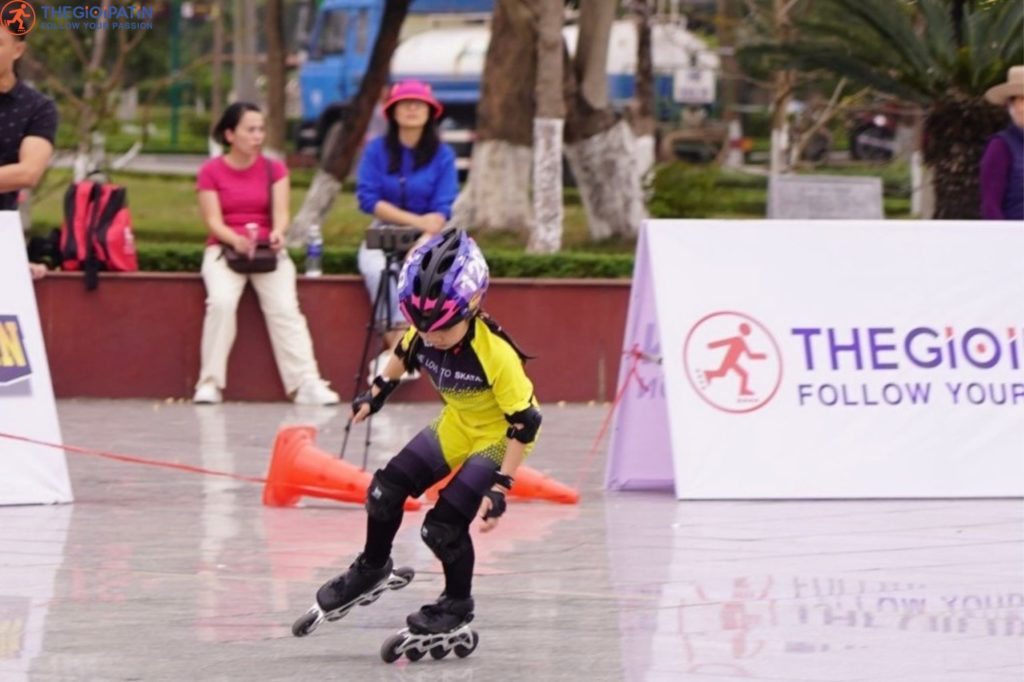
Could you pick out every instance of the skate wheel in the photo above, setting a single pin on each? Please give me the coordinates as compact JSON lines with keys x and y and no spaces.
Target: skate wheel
{"x":438,"y":652}
{"x":462,"y":651}
{"x":389,"y":650}
{"x":305,"y":624}
{"x":406,"y":573}
{"x":414,"y":654}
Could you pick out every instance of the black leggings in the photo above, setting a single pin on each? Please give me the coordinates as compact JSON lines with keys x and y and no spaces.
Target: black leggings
{"x":418,"y":466}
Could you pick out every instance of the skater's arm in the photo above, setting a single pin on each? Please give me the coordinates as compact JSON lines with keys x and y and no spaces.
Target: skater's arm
{"x":514,"y":454}
{"x":392,"y":372}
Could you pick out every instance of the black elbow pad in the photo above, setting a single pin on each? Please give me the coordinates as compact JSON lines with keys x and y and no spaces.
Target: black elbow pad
{"x":530,"y":418}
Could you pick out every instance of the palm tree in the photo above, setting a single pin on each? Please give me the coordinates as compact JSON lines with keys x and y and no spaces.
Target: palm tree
{"x":940,"y":54}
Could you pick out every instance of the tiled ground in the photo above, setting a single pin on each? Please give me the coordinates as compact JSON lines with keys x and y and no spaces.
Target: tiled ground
{"x":158,"y":575}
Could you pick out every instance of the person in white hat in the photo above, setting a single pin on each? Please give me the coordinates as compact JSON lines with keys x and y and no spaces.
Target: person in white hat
{"x":1002,"y":165}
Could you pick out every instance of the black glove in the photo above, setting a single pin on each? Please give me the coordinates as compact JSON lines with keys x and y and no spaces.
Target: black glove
{"x":376,"y":402}
{"x":498,"y":505}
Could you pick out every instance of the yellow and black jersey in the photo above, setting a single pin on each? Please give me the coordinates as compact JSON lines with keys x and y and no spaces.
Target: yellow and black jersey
{"x":481,"y":380}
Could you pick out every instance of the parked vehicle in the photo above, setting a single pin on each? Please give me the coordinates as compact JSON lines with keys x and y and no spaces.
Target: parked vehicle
{"x":445,"y":45}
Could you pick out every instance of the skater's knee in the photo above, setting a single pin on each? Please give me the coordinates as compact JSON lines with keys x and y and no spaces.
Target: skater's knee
{"x":447,"y":536}
{"x":385,"y":497}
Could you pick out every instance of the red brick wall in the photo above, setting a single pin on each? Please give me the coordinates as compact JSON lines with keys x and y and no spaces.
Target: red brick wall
{"x":137,"y":336}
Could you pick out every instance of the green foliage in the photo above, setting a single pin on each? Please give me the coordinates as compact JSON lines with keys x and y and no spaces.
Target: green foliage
{"x":683,"y":191}
{"x":178,"y":257}
{"x":679,"y":190}
{"x":907,"y":49}
{"x":940,"y":55}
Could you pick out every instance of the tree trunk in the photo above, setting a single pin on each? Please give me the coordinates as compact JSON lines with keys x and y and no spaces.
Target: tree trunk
{"x":87,"y":157}
{"x":547,"y":131}
{"x":731,"y":156}
{"x":497,"y":195}
{"x":782,"y":90}
{"x":276,"y":74}
{"x":642,"y":120}
{"x":217,"y":66}
{"x":343,"y":142}
{"x":601,"y":151}
{"x":955,"y":135}
{"x":243,"y":45}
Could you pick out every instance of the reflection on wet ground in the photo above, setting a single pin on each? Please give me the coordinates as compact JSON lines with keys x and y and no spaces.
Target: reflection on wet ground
{"x":159,"y":575}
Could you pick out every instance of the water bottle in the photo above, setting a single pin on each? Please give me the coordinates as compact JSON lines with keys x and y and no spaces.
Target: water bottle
{"x":314,"y":251}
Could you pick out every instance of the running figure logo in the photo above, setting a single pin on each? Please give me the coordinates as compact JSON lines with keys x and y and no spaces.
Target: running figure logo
{"x":18,"y":17}
{"x":732,"y":362}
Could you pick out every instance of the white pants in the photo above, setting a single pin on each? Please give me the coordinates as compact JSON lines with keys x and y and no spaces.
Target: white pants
{"x":276,"y":291}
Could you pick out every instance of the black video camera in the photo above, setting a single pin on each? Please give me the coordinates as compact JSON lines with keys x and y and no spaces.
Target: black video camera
{"x":392,"y":238}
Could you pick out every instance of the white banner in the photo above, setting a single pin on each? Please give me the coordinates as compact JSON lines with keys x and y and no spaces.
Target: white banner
{"x":29,"y":474}
{"x":837,"y":359}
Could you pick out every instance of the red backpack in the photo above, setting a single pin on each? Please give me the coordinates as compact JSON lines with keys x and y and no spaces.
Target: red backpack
{"x":97,"y":230}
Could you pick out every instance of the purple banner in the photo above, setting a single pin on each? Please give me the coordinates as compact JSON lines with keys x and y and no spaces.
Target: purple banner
{"x":640,"y":449}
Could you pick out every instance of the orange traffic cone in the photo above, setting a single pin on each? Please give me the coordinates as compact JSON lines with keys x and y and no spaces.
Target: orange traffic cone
{"x":298,"y":468}
{"x":529,"y":484}
{"x":532,"y":484}
{"x":434,"y":491}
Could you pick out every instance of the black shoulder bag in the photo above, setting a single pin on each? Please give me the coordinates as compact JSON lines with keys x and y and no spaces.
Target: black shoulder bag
{"x":264,"y":259}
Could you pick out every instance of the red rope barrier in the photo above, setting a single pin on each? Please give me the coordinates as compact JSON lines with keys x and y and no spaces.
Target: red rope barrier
{"x":636,"y":356}
{"x":134,"y":460}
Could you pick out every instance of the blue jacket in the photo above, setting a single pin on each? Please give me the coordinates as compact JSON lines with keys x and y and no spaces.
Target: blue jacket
{"x":430,"y":189}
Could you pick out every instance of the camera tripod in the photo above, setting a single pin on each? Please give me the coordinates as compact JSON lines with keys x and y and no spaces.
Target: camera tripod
{"x":395,"y":243}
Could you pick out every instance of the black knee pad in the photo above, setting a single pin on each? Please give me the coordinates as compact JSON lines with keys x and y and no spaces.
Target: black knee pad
{"x":448,"y":540}
{"x":384,"y":498}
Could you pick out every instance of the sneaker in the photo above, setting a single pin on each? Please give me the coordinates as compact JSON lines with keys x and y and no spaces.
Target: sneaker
{"x":207,"y":393}
{"x":355,"y":582}
{"x":315,"y":392}
{"x":442,"y":616}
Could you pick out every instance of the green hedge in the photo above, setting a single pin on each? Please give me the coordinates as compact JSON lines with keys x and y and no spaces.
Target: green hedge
{"x":341,"y":261}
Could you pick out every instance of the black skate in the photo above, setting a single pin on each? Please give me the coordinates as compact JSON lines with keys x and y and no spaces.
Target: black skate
{"x":359,"y":586}
{"x":437,"y":629}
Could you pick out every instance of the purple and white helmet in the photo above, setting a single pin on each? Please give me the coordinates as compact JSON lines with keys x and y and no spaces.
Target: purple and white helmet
{"x":442,"y":281}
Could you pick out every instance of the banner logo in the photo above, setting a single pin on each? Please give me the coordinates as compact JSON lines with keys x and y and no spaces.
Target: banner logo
{"x":18,"y":17}
{"x":14,"y":365}
{"x":732,"y":361}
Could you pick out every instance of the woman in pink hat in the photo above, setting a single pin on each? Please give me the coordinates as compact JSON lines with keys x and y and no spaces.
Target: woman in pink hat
{"x":1002,"y":166}
{"x":406,"y":177}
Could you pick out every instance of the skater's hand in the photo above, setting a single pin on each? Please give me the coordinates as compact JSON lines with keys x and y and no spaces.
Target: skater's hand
{"x":371,"y":401}
{"x":360,"y":414}
{"x":491,"y":509}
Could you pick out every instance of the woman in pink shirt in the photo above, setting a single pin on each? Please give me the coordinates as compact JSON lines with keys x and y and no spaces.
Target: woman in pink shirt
{"x":236,"y":192}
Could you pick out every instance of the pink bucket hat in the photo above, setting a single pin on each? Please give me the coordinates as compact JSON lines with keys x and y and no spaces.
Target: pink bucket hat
{"x":416,"y":90}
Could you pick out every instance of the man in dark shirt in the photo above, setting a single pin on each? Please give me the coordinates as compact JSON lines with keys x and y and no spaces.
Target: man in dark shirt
{"x":28,"y":125}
